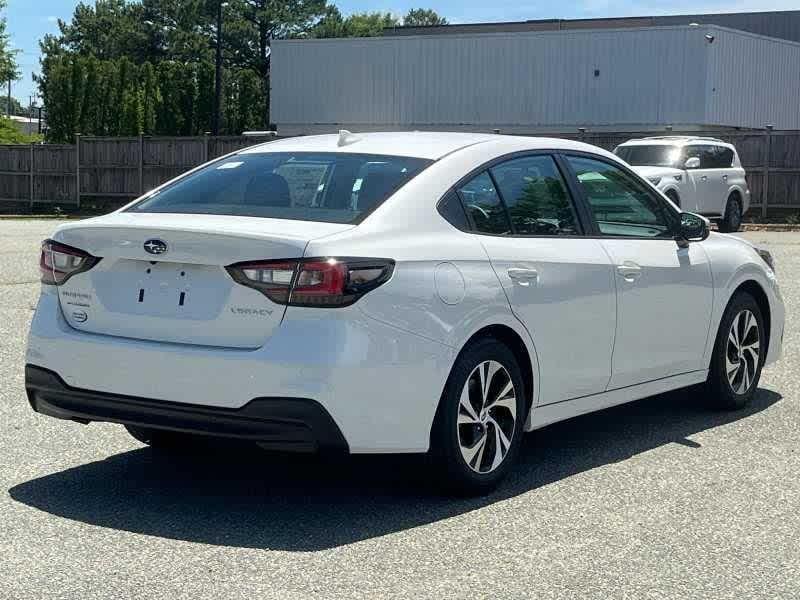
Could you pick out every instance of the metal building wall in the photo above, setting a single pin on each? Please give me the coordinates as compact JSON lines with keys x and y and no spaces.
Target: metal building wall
{"x":753,"y":81}
{"x":527,"y":81}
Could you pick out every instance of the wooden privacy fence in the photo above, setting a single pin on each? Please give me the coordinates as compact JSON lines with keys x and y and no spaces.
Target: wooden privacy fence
{"x":119,"y":169}
{"x":108,"y":168}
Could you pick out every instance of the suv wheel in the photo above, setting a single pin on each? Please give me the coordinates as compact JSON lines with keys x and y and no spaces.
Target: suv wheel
{"x":732,"y":219}
{"x":478,"y":427}
{"x":673,"y":196}
{"x":738,"y":354}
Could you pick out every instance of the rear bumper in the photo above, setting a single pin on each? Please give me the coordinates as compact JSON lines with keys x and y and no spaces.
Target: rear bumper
{"x":379,"y":384}
{"x":297,"y":424}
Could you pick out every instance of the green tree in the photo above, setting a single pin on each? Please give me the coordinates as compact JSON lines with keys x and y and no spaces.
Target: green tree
{"x":366,"y":24}
{"x":8,"y":62}
{"x":151,"y":98}
{"x":420,"y":17}
{"x":251,"y":25}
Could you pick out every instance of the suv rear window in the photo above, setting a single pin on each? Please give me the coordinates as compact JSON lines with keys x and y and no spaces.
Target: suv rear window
{"x":331,"y":187}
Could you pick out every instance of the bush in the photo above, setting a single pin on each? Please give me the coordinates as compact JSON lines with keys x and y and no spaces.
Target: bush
{"x":9,"y":134}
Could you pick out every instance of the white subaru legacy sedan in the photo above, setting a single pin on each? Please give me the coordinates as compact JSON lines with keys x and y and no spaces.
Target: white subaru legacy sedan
{"x":395,"y":293}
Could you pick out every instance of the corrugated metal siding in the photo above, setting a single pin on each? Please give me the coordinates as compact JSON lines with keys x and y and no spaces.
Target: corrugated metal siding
{"x":752,"y":81}
{"x":646,"y":76}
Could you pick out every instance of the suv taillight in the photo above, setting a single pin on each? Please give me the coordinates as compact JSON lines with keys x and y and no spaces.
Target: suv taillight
{"x":319,"y":282}
{"x":59,"y":262}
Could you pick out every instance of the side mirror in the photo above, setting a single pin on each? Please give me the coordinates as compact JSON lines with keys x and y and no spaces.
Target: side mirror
{"x":694,"y":228}
{"x":692,"y":163}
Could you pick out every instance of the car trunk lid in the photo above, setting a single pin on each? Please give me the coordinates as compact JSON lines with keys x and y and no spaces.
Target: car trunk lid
{"x":162,"y":277}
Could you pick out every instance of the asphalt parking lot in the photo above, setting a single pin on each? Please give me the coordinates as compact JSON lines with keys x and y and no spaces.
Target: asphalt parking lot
{"x":658,"y":499}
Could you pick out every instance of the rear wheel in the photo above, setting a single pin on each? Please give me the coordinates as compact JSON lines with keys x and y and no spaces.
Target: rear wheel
{"x":732,"y":219}
{"x":478,"y":426}
{"x":738,"y":354}
{"x":673,"y":196}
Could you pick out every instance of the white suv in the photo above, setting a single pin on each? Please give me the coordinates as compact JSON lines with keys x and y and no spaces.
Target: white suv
{"x":699,"y":174}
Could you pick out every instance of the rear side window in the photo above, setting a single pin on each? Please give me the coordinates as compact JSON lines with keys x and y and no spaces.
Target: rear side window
{"x":706,"y":154}
{"x":484,"y":207}
{"x":536,"y":196}
{"x":331,"y":187}
{"x":723,"y":157}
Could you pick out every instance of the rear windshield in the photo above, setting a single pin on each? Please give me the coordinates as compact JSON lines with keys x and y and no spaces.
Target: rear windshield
{"x":330,"y":187}
{"x":658,"y":155}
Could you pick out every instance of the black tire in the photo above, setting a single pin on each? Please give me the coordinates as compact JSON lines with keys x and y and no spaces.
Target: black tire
{"x":673,"y":195}
{"x":452,"y":468}
{"x":722,"y":391}
{"x":162,"y":438}
{"x":732,"y":219}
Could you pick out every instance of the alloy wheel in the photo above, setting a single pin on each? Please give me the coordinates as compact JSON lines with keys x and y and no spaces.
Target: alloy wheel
{"x":487,"y":416}
{"x":742,"y":352}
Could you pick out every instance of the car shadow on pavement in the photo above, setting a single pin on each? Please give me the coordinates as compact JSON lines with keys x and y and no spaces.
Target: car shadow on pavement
{"x":252,"y":499}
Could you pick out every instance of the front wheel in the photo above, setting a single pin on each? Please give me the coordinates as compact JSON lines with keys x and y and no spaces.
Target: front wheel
{"x":738,"y":354}
{"x":732,"y":219}
{"x":478,"y":426}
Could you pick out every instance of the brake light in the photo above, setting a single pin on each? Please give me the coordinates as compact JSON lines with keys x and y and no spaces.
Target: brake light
{"x":58,"y":262}
{"x":320,"y":282}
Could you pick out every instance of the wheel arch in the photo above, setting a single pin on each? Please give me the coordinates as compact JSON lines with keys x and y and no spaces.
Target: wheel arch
{"x":752,"y":287}
{"x":525,"y":356}
{"x":756,"y":290}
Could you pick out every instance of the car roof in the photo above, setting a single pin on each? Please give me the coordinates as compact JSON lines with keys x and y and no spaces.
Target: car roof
{"x":431,"y":145}
{"x":675,"y":140}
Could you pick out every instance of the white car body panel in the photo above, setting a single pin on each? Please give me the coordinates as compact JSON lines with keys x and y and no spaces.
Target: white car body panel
{"x":663,"y":307}
{"x":379,"y":366}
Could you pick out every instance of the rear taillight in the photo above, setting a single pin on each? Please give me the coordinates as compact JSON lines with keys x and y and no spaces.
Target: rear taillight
{"x":320,"y":282}
{"x":59,"y":262}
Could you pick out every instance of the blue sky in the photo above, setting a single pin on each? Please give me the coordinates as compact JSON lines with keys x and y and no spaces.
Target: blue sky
{"x":29,"y":20}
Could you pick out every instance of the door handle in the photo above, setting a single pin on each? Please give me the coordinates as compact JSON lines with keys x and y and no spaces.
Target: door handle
{"x":704,"y":178}
{"x":629,"y":271}
{"x":523,"y":276}
{"x":724,"y":178}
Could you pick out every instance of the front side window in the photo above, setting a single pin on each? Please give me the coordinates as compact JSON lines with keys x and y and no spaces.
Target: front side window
{"x":484,"y":207}
{"x":622,"y":205}
{"x":655,"y":155}
{"x":331,"y":187}
{"x":536,"y":196}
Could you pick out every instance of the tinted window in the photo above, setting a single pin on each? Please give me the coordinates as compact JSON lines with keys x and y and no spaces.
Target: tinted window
{"x":450,"y":208}
{"x":621,"y":204}
{"x":483,"y":206}
{"x":706,"y":154}
{"x":332,"y":187}
{"x":723,"y":157}
{"x":535,"y":195}
{"x":657,"y":155}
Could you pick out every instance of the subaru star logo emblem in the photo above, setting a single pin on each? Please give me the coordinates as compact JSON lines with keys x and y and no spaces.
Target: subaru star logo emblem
{"x":155,"y":246}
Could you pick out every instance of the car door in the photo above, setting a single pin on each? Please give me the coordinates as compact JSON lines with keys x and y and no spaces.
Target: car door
{"x":664,"y":291}
{"x":559,"y":283}
{"x":724,"y":174}
{"x":707,"y":179}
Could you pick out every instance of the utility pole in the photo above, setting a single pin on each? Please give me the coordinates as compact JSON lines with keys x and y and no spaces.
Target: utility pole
{"x":218,"y":73}
{"x":8,"y":103}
